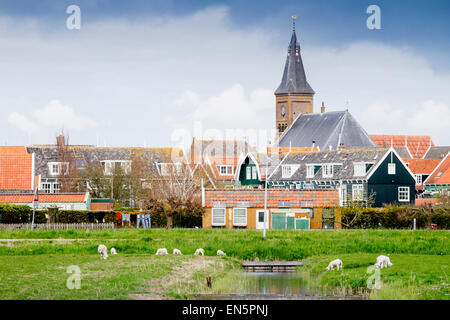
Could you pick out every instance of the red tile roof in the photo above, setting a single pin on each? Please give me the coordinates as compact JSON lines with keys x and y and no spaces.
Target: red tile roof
{"x":423,"y":166}
{"x":13,"y":150}
{"x":47,"y":198}
{"x":255,"y":198}
{"x":417,"y":145}
{"x":15,"y":170}
{"x":441,"y":174}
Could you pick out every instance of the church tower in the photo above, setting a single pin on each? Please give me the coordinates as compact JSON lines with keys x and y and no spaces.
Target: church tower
{"x":294,"y":94}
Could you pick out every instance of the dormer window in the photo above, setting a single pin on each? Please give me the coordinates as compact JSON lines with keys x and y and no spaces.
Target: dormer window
{"x":57,"y":168}
{"x":359,"y":169}
{"x":166,"y":169}
{"x":310,"y":171}
{"x":327,"y":170}
{"x":110,"y":165}
{"x":288,"y":170}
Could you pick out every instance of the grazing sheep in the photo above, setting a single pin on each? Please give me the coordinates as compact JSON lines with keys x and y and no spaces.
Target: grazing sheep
{"x":161,"y":251}
{"x":221,"y":253}
{"x":335,"y":263}
{"x":103,"y":251}
{"x":199,"y":252}
{"x":383,"y":262}
{"x":176,"y":251}
{"x":113,"y":251}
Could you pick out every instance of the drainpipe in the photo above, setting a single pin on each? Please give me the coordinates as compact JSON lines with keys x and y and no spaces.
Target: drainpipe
{"x":265,"y":204}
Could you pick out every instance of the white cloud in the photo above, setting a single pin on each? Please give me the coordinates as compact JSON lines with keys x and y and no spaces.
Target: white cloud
{"x":144,"y":78}
{"x":54,"y":115}
{"x":23,"y":123}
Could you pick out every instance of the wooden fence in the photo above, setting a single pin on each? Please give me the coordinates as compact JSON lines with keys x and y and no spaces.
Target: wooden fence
{"x":57,"y":226}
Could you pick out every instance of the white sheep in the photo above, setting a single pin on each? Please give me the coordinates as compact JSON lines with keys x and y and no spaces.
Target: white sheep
{"x":161,"y":251}
{"x":335,"y":263}
{"x":176,"y":251}
{"x":383,"y":262}
{"x":221,"y":253}
{"x":103,"y":251}
{"x":199,"y":252}
{"x":113,"y":251}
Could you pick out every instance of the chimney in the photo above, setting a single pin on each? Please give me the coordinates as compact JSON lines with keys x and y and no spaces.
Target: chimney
{"x":322,"y":108}
{"x":341,"y":146}
{"x":313,"y":144}
{"x":60,"y":141}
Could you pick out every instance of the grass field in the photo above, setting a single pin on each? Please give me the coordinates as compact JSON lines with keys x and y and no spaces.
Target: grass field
{"x":31,"y":269}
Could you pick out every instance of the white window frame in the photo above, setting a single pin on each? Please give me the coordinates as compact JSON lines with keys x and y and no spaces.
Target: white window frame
{"x":164,"y":168}
{"x":357,"y":192}
{"x":239,"y":224}
{"x":214,"y":212}
{"x":55,"y":168}
{"x":327,"y":170}
{"x":391,"y":168}
{"x":402,"y":192}
{"x":359,"y":169}
{"x":286,"y":171}
{"x":310,"y":171}
{"x":418,"y":179}
{"x":226,"y":170}
{"x":109,"y":166}
{"x":254,"y":173}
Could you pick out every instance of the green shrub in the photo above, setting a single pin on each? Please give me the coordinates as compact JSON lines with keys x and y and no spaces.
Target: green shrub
{"x":20,"y":214}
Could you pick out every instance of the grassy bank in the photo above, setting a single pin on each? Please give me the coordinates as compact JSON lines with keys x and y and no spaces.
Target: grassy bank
{"x":38,"y":269}
{"x":242,"y":244}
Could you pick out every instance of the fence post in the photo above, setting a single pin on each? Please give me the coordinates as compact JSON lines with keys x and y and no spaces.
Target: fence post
{"x":414,"y":224}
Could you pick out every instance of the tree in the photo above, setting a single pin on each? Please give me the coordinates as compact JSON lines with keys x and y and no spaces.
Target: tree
{"x":172,"y":188}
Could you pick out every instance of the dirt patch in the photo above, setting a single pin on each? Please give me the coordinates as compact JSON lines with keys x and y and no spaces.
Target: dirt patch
{"x":182,"y":273}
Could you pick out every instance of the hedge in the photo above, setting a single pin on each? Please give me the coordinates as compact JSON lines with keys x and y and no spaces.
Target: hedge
{"x":20,"y":214}
{"x":393,"y":217}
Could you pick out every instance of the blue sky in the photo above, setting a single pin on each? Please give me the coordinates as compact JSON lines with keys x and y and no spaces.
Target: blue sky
{"x":228,"y":53}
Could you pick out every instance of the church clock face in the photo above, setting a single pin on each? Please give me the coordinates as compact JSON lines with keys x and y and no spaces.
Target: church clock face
{"x":283,"y":111}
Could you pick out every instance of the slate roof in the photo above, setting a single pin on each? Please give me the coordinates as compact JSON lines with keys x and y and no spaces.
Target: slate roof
{"x":417,"y":145}
{"x":441,"y":174}
{"x":254,"y":198}
{"x":437,"y":152}
{"x":402,"y":151}
{"x":326,"y":129}
{"x":84,"y":155}
{"x":221,"y":151}
{"x":294,"y":77}
{"x":345,"y":158}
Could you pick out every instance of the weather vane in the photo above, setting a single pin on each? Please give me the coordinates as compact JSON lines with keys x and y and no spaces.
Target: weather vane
{"x":293,"y":21}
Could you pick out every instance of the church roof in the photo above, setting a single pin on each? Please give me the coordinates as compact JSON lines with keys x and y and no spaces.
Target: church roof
{"x":294,"y":77}
{"x":327,"y":129}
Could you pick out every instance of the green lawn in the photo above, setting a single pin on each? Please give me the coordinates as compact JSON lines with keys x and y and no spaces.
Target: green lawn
{"x":37,"y":269}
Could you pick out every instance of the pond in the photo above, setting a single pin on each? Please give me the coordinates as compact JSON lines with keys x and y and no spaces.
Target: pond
{"x":272,"y":285}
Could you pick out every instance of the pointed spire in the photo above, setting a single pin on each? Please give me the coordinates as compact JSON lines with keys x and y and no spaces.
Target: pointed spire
{"x":294,"y":77}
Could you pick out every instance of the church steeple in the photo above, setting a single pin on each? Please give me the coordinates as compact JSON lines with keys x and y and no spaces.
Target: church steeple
{"x":294,"y":77}
{"x":294,"y":95}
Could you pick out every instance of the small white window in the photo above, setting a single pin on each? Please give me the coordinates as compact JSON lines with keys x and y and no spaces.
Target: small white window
{"x":327,"y":170}
{"x":254,"y":173}
{"x":357,"y":192}
{"x":359,"y":169}
{"x":249,"y":173}
{"x":403,"y":194}
{"x":239,"y":217}
{"x":56,"y":168}
{"x":418,"y":179}
{"x":391,"y":168}
{"x":225,"y":170}
{"x":218,"y":217}
{"x":286,"y":171}
{"x":310,"y":171}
